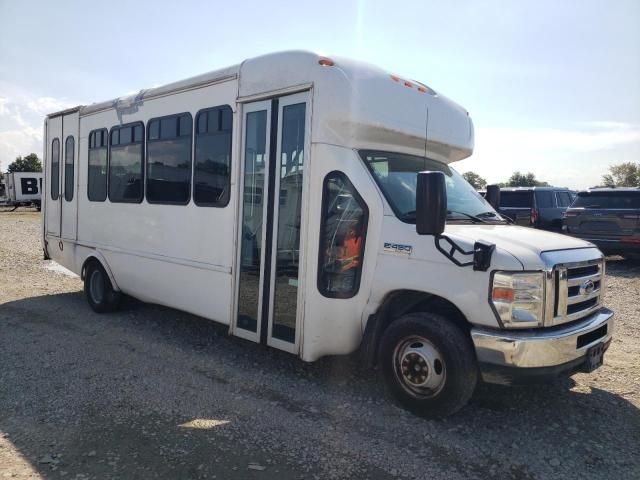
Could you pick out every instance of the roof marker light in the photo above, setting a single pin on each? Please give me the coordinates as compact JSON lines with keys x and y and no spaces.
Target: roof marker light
{"x":395,"y":78}
{"x":408,"y":84}
{"x":422,"y":90}
{"x":326,"y":62}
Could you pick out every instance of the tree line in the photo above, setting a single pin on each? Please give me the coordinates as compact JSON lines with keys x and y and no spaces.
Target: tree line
{"x":625,"y":174}
{"x":517,"y":179}
{"x":29,"y":163}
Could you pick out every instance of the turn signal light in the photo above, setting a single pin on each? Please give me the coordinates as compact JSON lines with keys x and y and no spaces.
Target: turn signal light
{"x":504,"y":294}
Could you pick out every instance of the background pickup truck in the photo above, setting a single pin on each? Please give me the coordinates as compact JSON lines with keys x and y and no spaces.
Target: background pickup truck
{"x":538,"y":207}
{"x":607,"y":217}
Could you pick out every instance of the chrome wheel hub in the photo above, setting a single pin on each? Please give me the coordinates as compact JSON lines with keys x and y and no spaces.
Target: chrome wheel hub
{"x":419,"y":367}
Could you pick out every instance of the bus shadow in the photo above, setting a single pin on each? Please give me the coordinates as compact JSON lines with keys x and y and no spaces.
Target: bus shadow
{"x":107,"y":394}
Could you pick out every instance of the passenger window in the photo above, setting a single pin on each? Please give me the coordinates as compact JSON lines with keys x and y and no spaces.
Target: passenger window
{"x":69,"y":152}
{"x":97,"y":180}
{"x":55,"y":169}
{"x":544,"y":199}
{"x":564,"y":199}
{"x":169,"y":160}
{"x":342,"y":237}
{"x":126,"y":164}
{"x":212,"y":169}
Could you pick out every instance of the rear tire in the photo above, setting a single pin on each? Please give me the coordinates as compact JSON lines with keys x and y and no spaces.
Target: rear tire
{"x":100,"y":294}
{"x":429,"y":364}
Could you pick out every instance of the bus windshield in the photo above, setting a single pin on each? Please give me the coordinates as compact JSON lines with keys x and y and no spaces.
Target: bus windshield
{"x":397,"y":173}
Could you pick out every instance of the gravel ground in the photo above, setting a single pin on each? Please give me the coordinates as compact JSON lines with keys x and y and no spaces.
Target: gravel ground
{"x":151,"y":392}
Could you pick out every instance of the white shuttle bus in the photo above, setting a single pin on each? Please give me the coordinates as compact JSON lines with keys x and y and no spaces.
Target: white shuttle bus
{"x":309,"y":204}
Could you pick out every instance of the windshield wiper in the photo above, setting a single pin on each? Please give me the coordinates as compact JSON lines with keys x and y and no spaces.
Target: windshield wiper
{"x":487,"y":214}
{"x":494,"y":215}
{"x":473,"y":218}
{"x":411,"y":215}
{"x":408,"y":216}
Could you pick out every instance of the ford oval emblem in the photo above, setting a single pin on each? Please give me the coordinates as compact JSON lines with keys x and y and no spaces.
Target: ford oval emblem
{"x":587,"y":287}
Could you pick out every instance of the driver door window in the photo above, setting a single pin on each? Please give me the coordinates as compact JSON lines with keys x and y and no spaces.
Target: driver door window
{"x":342,"y":237}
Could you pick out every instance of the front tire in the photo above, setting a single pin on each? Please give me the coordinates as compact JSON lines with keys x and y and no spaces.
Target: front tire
{"x":429,"y":364}
{"x":100,"y":294}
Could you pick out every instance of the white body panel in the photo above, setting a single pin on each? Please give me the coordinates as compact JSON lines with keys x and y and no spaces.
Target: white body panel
{"x":187,"y":257}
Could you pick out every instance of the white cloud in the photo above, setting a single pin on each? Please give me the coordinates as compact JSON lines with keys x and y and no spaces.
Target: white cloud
{"x":22,"y":141}
{"x":45,"y":105}
{"x":21,"y":119}
{"x":573,"y":157}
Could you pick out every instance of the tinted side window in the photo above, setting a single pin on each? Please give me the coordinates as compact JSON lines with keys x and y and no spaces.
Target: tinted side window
{"x":516,"y":199}
{"x":69,"y":152}
{"x":97,"y":173}
{"x":544,"y":199}
{"x":564,"y":199}
{"x":612,"y":200}
{"x":342,"y":237}
{"x":55,"y":169}
{"x":212,"y":168}
{"x":126,"y":164}
{"x":169,"y":159}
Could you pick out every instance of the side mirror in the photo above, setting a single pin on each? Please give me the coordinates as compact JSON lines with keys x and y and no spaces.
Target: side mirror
{"x":493,"y":196}
{"x":431,"y":203}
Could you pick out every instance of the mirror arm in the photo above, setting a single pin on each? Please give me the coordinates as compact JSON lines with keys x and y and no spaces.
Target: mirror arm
{"x":482,"y":253}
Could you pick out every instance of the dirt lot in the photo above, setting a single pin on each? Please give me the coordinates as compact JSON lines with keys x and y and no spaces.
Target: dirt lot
{"x":150,"y":392}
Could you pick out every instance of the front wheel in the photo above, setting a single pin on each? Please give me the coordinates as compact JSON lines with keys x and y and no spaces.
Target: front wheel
{"x":428,"y":364}
{"x":98,"y":289}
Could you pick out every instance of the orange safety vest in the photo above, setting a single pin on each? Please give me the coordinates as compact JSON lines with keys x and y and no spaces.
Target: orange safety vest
{"x":351,"y":253}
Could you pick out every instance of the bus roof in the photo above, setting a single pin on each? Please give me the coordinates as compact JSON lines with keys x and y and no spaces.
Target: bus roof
{"x":356,"y":104}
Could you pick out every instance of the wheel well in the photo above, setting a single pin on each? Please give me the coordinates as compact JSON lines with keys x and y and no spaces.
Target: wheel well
{"x":88,"y":261}
{"x":399,"y":303}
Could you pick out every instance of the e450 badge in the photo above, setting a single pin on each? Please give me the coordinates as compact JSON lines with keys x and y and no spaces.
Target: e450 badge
{"x":397,"y":248}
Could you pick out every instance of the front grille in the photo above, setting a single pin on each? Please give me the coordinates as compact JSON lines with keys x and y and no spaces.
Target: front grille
{"x":577,"y":289}
{"x":578,"y":272}
{"x":580,"y":306}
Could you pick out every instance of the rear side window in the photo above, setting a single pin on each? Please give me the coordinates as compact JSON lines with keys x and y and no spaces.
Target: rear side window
{"x":55,"y":169}
{"x":69,"y":153}
{"x":516,"y":199}
{"x":212,"y":168}
{"x":564,"y":199}
{"x":169,"y":159}
{"x":342,"y":237}
{"x":608,"y":200}
{"x":126,"y":163}
{"x":97,"y":173}
{"x":544,"y":199}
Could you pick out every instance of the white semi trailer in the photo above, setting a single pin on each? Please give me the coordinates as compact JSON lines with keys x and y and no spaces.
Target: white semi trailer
{"x":309,"y":204}
{"x":22,"y":189}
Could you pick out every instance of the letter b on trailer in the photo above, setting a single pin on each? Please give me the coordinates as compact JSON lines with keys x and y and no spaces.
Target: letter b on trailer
{"x":29,"y":186}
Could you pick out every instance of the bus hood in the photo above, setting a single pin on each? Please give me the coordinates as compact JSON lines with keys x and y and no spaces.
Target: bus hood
{"x":525,"y":244}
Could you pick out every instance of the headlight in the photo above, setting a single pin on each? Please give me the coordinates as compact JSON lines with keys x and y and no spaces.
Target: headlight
{"x":519,"y":298}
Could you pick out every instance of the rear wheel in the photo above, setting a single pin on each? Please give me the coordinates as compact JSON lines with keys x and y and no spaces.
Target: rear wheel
{"x":98,"y":289}
{"x":429,"y":364}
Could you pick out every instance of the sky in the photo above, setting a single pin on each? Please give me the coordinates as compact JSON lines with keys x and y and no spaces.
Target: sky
{"x":553,"y":87}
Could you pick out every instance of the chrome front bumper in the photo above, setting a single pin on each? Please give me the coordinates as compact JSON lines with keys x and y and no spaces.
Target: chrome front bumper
{"x":503,"y":355}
